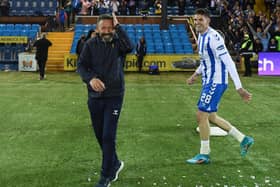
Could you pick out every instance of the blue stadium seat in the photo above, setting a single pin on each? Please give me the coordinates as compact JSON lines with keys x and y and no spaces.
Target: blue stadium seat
{"x":149,"y":42}
{"x":10,"y":26}
{"x":138,"y":26}
{"x":147,"y":26}
{"x":147,"y":29}
{"x":148,"y":36}
{"x":13,"y":52}
{"x":24,"y":33}
{"x":188,"y":51}
{"x":15,"y":33}
{"x":2,"y":26}
{"x":139,"y":31}
{"x":8,"y":32}
{"x":26,"y":27}
{"x":156,"y":34}
{"x":172,"y":26}
{"x":130,"y":30}
{"x":176,"y":40}
{"x":35,"y":27}
{"x":79,"y":27}
{"x":155,"y":27}
{"x":187,"y":46}
{"x":169,"y":51}
{"x":164,"y":32}
{"x":18,"y":26}
{"x":151,"y":50}
{"x":166,"y":40}
{"x":32,"y":34}
{"x":7,"y":53}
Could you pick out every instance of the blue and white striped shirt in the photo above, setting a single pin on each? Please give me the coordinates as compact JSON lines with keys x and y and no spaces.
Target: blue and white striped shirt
{"x":215,"y":61}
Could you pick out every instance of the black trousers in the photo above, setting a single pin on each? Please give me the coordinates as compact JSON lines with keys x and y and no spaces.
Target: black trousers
{"x":42,"y":65}
{"x":247,"y":62}
{"x":104,"y":113}
{"x":140,"y":62}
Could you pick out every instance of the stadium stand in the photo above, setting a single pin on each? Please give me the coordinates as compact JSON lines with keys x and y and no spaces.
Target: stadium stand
{"x":146,"y":7}
{"x":173,"y":40}
{"x":33,"y":7}
{"x":9,"y":52}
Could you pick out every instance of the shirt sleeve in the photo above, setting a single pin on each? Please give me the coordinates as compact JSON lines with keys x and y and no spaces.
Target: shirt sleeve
{"x":126,"y":45}
{"x":230,"y":65}
{"x":221,"y":51}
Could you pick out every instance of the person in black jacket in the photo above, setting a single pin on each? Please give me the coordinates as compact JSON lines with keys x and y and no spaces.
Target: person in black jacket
{"x":141,"y":49}
{"x":80,"y":45}
{"x":100,"y":67}
{"x":42,"y":47}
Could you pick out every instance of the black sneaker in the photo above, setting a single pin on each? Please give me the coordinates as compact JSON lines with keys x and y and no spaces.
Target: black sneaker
{"x":117,"y":170}
{"x":103,"y":182}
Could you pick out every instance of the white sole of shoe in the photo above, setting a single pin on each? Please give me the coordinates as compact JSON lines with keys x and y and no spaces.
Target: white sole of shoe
{"x":119,"y":170}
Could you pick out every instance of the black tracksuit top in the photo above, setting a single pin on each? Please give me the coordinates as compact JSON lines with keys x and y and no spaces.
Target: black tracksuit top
{"x":102,"y":60}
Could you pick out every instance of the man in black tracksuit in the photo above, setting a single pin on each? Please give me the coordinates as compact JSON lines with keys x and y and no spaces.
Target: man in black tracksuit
{"x":42,"y":47}
{"x":101,"y":69}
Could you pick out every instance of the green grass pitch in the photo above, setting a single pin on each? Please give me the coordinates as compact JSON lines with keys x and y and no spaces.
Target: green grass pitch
{"x":46,"y":139}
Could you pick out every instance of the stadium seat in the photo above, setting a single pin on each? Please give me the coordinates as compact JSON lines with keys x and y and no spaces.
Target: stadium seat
{"x":10,"y":27}
{"x":35,"y":27}
{"x":188,"y":51}
{"x":175,"y":39}
{"x":7,"y":53}
{"x":24,"y":33}
{"x":26,"y":27}
{"x":32,"y":7}
{"x":32,"y":34}
{"x":79,"y":27}
{"x":19,"y":26}
{"x":138,"y":26}
{"x":2,"y":26}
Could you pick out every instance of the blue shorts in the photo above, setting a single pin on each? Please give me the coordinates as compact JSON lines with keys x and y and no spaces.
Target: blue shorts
{"x":210,"y":97}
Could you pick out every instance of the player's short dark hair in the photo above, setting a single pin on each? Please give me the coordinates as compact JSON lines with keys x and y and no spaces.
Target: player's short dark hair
{"x":203,"y":12}
{"x":104,"y":17}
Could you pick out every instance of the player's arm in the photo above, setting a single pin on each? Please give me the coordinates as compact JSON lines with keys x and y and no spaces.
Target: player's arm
{"x":219,"y":47}
{"x":194,"y":76}
{"x":230,"y":65}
